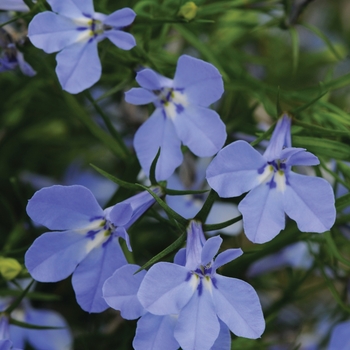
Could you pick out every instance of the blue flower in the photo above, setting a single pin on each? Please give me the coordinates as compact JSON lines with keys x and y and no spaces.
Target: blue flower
{"x":74,"y":30}
{"x":181,"y":114}
{"x":11,"y":57}
{"x":274,"y":188}
{"x":5,"y":342}
{"x":340,"y":338}
{"x":200,"y":297}
{"x":86,"y":243}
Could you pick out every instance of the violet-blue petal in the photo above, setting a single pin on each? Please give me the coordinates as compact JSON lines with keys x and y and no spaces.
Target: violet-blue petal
{"x":54,"y":255}
{"x":155,"y":333}
{"x":340,"y":337}
{"x":121,"y":232}
{"x":120,"y":214}
{"x":93,"y":271}
{"x":119,"y":291}
{"x":221,"y":212}
{"x":185,"y":205}
{"x":120,"y":18}
{"x":51,"y":32}
{"x":241,"y":310}
{"x":148,"y":79}
{"x":234,"y":170}
{"x":7,"y":345}
{"x":72,"y":8}
{"x":223,"y":341}
{"x":194,"y":245}
{"x":180,"y":257}
{"x":198,"y":326}
{"x":279,"y":139}
{"x":123,"y":40}
{"x":51,"y":339}
{"x":24,"y":66}
{"x":210,"y":249}
{"x":309,"y":200}
{"x":227,"y":256}
{"x":263,"y":215}
{"x":201,"y":81}
{"x":78,"y":66}
{"x":157,"y":132}
{"x":13,"y":5}
{"x":201,"y":130}
{"x":139,"y":96}
{"x":166,"y":288}
{"x":64,"y":207}
{"x":298,"y":156}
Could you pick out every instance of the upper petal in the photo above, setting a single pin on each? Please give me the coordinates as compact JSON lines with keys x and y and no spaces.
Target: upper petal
{"x":241,"y":310}
{"x":139,"y":96}
{"x":223,"y":341}
{"x":93,"y":271}
{"x":210,"y":248}
{"x":166,"y":288}
{"x":234,"y":170}
{"x":309,"y":201}
{"x":64,"y":207}
{"x":120,"y":291}
{"x":72,"y":8}
{"x":120,"y":18}
{"x":78,"y":66}
{"x":148,"y":79}
{"x":54,"y":255}
{"x":123,"y":40}
{"x":227,"y":256}
{"x":52,"y":32}
{"x":201,"y":81}
{"x":263,"y":215}
{"x":298,"y":156}
{"x":157,"y":132}
{"x":201,"y":130}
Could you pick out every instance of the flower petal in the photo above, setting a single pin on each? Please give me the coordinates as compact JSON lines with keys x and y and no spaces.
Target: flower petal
{"x":24,"y":66}
{"x":119,"y":291}
{"x":51,"y":32}
{"x":54,"y":255}
{"x":201,"y":81}
{"x":72,"y":8}
{"x":198,"y":326}
{"x":210,"y":248}
{"x":263,"y":215}
{"x":201,"y":130}
{"x":157,"y":132}
{"x":241,"y":310}
{"x":93,"y":271}
{"x":139,"y":96}
{"x":340,"y":339}
{"x":64,"y":207}
{"x":155,"y":333}
{"x":234,"y":170}
{"x":120,"y":214}
{"x":120,"y":18}
{"x":78,"y":66}
{"x":123,"y":40}
{"x":309,"y":201}
{"x":166,"y":288}
{"x":148,"y":79}
{"x":223,"y":341}
{"x":227,"y":256}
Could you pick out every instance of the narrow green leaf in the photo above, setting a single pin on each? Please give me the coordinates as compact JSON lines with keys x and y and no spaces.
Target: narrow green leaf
{"x":342,"y":202}
{"x":307,"y":105}
{"x":333,"y":248}
{"x":221,"y":225}
{"x":152,"y":171}
{"x":321,"y":130}
{"x":295,"y":48}
{"x":16,"y":302}
{"x":329,"y":44}
{"x":121,"y":183}
{"x":173,"y":214}
{"x":30,"y":326}
{"x":204,"y":212}
{"x":278,"y":105}
{"x":184,"y":192}
{"x":264,"y":135}
{"x":171,"y":248}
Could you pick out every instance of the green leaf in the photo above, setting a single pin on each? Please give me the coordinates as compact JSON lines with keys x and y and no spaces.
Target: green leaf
{"x":181,"y":193}
{"x":30,"y":326}
{"x":221,"y":225}
{"x":295,"y":47}
{"x":334,"y":250}
{"x":264,"y":135}
{"x":342,"y":202}
{"x":307,"y":105}
{"x":278,"y":105}
{"x":173,"y":214}
{"x":16,"y":302}
{"x":171,"y":248}
{"x":121,"y":183}
{"x":204,"y":212}
{"x":152,"y":171}
{"x":321,"y":130}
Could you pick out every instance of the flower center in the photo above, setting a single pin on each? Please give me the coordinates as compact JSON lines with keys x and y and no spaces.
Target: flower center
{"x":173,"y":101}
{"x":273,"y":174}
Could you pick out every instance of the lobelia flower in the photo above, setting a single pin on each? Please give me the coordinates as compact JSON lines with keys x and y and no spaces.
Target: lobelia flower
{"x":340,"y":338}
{"x":181,"y":114}
{"x":274,"y":188}
{"x":11,"y":57}
{"x":200,"y":297}
{"x":13,"y":5}
{"x":74,"y":30}
{"x":87,"y":245}
{"x":153,"y":332}
{"x":5,"y":342}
